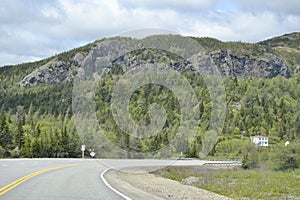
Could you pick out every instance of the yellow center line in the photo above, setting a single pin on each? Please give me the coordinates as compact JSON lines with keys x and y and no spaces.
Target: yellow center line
{"x":27,"y":177}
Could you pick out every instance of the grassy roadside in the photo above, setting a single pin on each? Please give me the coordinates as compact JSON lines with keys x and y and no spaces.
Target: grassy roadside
{"x":238,"y":183}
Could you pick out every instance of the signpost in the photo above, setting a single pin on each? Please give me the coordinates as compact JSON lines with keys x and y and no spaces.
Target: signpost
{"x":83,"y":149}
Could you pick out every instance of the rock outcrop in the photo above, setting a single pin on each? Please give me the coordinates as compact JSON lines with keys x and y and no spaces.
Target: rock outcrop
{"x":58,"y":71}
{"x":232,"y":65}
{"x":51,"y":73}
{"x":54,"y":72}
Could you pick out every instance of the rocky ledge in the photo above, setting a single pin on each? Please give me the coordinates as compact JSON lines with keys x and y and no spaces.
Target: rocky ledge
{"x":228,"y":64}
{"x":232,"y":65}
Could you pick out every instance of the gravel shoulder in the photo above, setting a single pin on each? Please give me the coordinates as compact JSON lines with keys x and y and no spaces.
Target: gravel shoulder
{"x":149,"y":186}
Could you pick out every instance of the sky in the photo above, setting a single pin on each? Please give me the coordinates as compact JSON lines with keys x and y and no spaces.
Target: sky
{"x":32,"y":30}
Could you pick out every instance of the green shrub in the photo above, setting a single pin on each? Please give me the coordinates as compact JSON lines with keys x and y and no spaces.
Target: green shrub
{"x":2,"y":152}
{"x":250,"y":157}
{"x":287,"y":157}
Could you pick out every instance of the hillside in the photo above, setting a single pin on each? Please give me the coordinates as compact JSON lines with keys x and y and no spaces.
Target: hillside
{"x":232,"y":58}
{"x":261,"y":84}
{"x":291,"y":40}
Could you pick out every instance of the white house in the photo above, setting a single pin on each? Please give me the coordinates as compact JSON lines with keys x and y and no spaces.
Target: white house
{"x":262,"y":141}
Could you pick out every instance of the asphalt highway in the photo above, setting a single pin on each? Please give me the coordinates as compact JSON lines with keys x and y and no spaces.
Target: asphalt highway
{"x":74,"y":179}
{"x":64,"y":179}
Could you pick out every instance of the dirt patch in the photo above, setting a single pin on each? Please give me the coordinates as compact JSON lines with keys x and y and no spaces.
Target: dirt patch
{"x":164,"y":188}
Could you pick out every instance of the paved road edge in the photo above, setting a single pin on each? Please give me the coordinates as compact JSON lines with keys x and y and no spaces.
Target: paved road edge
{"x":116,"y":184}
{"x":110,"y":187}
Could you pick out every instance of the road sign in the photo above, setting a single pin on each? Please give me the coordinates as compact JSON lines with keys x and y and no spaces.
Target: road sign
{"x":92,"y":154}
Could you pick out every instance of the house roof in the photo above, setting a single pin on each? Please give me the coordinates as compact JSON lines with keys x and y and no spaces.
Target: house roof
{"x":259,"y":136}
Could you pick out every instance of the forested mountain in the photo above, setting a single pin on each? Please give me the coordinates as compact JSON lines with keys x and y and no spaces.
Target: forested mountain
{"x":262,"y":85}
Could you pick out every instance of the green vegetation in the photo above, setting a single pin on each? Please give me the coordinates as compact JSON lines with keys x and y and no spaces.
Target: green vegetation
{"x":38,"y":119}
{"x":291,"y":40}
{"x":237,"y":48}
{"x":255,"y":106}
{"x":237,"y":183}
{"x":277,"y":157}
{"x":37,"y":135}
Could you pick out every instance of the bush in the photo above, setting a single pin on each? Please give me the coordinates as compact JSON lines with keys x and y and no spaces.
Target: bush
{"x":250,"y":157}
{"x":2,"y":152}
{"x":287,"y":157}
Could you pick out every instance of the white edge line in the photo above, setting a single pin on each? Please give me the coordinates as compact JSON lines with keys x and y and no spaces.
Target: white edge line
{"x":113,"y":189}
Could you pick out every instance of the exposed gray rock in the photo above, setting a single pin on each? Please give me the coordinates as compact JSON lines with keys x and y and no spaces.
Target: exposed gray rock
{"x":297,"y":69}
{"x":232,"y":65}
{"x":190,"y":180}
{"x":106,"y":53}
{"x":277,"y":66}
{"x":50,"y":73}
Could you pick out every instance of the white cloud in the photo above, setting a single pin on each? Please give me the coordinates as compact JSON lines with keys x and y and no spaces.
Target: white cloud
{"x":178,"y":5}
{"x":100,"y":18}
{"x":241,"y":26}
{"x":38,"y":29}
{"x":16,"y":59}
{"x":278,"y":6}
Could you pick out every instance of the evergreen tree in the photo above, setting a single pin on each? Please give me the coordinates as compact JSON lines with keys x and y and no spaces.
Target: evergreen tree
{"x":5,"y":134}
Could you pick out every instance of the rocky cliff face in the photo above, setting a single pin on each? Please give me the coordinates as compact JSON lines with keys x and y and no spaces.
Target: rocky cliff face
{"x":54,"y":72}
{"x":51,"y":73}
{"x":58,"y":71}
{"x":231,"y":65}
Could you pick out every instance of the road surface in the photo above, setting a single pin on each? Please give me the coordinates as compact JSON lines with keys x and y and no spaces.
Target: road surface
{"x":30,"y":179}
{"x":72,"y":182}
